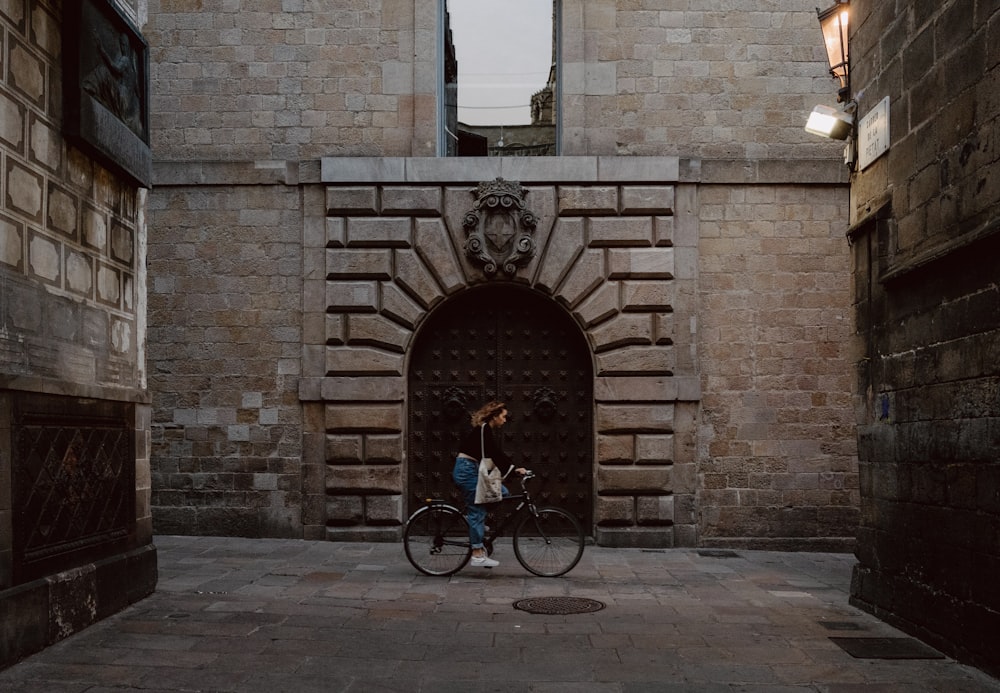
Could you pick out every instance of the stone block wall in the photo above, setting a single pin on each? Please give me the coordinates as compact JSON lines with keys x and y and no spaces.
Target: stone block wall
{"x":72,"y":337}
{"x":66,"y":225}
{"x":338,"y":106}
{"x":355,"y":272}
{"x":716,"y":308}
{"x":299,"y":81}
{"x":926,"y":233}
{"x":225,"y":303}
{"x":777,"y":454}
{"x":704,"y":79}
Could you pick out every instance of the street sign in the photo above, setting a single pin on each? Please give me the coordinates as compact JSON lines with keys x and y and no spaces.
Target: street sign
{"x":873,"y":134}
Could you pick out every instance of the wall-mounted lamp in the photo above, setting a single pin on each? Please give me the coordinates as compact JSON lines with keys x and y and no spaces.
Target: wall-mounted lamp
{"x":833,"y":23}
{"x":826,"y":121}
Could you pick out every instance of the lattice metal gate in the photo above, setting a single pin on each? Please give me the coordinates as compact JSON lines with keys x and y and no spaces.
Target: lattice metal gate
{"x":503,"y":342}
{"x":73,"y":482}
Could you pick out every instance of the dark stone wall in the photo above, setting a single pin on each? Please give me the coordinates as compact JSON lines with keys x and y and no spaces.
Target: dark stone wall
{"x":930,"y":478}
{"x":926,"y":237}
{"x":72,"y":340}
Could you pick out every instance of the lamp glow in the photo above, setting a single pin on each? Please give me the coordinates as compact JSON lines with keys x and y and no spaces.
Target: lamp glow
{"x":833,"y":22}
{"x":829,"y":122}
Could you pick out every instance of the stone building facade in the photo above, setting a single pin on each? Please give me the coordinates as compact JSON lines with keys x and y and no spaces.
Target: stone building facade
{"x":75,"y":519}
{"x":924,"y":223}
{"x":309,"y":269}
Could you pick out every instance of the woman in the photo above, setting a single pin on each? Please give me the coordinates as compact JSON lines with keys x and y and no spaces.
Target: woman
{"x":477,"y":443}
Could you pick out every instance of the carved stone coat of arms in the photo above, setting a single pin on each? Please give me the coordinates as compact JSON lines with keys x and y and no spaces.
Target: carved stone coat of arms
{"x":499,"y":227}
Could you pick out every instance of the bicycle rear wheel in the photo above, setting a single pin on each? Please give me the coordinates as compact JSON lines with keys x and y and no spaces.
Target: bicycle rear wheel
{"x":549,"y":543}
{"x":436,"y":540}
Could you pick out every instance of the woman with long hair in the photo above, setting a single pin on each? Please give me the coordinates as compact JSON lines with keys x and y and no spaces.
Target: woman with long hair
{"x":477,"y":443}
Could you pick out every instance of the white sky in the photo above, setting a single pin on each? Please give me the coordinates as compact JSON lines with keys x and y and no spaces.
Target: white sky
{"x":504,"y":51}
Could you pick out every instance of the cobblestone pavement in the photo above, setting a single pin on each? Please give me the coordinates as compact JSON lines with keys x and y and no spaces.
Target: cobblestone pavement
{"x":297,"y":616}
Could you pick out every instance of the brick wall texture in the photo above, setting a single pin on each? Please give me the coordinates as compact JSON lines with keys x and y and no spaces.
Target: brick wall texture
{"x":285,"y":123}
{"x":925,"y":226}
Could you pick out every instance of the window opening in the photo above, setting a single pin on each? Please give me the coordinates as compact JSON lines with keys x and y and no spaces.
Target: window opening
{"x":500,"y":74}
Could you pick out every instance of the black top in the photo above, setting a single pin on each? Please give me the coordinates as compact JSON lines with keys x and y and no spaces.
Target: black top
{"x":471,"y":446}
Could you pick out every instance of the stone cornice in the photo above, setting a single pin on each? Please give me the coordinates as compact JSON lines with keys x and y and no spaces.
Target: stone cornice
{"x":533,"y":170}
{"x":26,"y":383}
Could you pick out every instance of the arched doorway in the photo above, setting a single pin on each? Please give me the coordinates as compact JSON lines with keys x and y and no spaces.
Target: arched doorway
{"x":503,"y":342}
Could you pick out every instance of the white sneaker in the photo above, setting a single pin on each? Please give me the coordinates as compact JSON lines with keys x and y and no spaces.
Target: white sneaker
{"x":484,"y":562}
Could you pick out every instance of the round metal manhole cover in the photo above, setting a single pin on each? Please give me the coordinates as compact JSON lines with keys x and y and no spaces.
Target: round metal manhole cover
{"x":558,"y":605}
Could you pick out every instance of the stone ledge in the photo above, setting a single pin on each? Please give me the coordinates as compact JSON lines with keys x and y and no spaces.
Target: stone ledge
{"x":24,"y":383}
{"x":168,"y":173}
{"x":969,"y":242}
{"x":771,"y":172}
{"x":544,"y":169}
{"x":470,"y":170}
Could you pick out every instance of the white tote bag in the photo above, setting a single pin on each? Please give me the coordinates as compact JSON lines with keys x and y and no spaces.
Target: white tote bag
{"x":489,"y":485}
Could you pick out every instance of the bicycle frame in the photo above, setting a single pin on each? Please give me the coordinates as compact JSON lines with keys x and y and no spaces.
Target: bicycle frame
{"x":548,"y":546}
{"x":506,"y":520}
{"x":509,"y":517}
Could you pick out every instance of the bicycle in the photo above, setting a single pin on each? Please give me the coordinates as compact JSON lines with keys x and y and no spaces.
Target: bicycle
{"x":547,"y":541}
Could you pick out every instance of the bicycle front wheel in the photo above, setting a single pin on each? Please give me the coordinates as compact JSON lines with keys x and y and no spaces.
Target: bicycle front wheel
{"x":548,"y":543}
{"x":436,"y":540}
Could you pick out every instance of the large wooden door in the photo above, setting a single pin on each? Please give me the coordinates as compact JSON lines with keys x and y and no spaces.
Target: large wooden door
{"x":507,"y":343}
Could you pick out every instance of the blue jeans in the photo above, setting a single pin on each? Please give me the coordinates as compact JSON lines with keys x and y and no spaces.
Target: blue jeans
{"x":465,"y":475}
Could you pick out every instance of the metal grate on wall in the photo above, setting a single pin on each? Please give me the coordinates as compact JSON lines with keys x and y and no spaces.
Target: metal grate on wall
{"x":73,"y":482}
